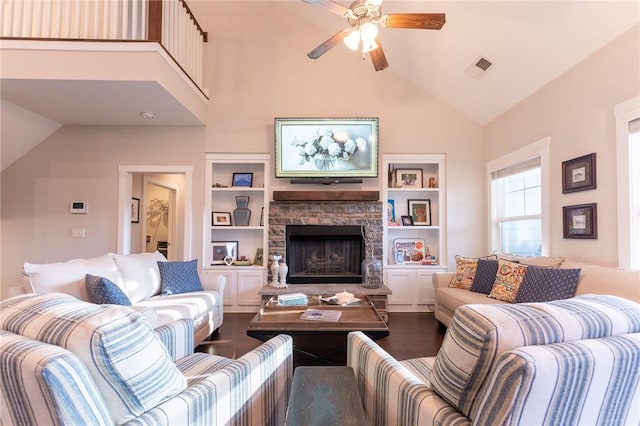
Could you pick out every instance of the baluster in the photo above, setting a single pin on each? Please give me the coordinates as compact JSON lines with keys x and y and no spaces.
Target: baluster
{"x":124,"y":20}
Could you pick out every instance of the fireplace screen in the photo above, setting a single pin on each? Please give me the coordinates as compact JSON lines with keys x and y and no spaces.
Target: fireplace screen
{"x":324,"y":254}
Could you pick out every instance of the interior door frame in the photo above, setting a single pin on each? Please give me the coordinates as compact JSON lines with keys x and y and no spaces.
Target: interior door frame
{"x":125,"y":192}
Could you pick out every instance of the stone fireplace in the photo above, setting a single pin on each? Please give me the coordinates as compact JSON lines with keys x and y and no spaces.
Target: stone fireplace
{"x":326,"y":238}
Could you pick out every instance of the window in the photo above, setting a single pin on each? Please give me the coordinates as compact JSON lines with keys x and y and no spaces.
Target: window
{"x":628,"y":168}
{"x":519,"y":200}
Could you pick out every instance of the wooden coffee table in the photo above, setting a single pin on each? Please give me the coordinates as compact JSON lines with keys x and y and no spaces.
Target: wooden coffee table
{"x":317,"y":342}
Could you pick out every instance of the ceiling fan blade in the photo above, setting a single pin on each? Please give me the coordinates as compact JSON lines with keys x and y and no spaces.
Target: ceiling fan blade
{"x":424,"y":21}
{"x":378,"y":58}
{"x":332,"y":41}
{"x":329,"y":5}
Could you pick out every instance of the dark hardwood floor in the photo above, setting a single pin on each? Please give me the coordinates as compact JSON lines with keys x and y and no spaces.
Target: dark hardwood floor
{"x":411,"y":335}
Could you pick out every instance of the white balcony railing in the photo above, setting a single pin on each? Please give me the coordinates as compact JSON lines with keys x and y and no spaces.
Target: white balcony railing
{"x":169,"y":22}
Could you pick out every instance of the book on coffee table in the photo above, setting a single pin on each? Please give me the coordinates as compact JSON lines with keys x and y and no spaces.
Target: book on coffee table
{"x":321,"y":315}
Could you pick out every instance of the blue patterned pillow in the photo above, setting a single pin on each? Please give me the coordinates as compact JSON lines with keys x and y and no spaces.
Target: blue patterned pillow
{"x":103,"y":291}
{"x":485,"y":276}
{"x":546,"y":284}
{"x":179,"y":277}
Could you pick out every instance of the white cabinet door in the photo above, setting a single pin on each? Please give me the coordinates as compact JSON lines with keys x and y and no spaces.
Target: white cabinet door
{"x":401,"y":284}
{"x":210,"y":280}
{"x":249,"y":284}
{"x":426,"y":293}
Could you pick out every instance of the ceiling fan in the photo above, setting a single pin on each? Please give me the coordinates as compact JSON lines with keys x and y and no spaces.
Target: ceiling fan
{"x":364,"y":16}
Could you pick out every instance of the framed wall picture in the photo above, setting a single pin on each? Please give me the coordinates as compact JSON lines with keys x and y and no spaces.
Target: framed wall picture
{"x":579,"y":174}
{"x":222,"y":249}
{"x":580,"y":221}
{"x":135,"y":210}
{"x":242,"y":179}
{"x":409,"y":178}
{"x":221,"y":219}
{"x":420,"y":211}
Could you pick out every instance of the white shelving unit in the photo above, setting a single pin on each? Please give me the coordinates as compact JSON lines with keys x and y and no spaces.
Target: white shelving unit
{"x":243,"y":282}
{"x":411,"y":282}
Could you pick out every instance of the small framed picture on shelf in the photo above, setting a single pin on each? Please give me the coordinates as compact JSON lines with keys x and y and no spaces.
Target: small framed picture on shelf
{"x":222,"y":250}
{"x":259,"y":259}
{"x":409,"y":178}
{"x":221,"y":219}
{"x":580,"y":221}
{"x":420,"y":211}
{"x":242,"y":179}
{"x":407,"y":221}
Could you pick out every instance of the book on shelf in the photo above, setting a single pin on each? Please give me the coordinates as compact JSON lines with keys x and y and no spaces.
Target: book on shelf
{"x":321,"y":315}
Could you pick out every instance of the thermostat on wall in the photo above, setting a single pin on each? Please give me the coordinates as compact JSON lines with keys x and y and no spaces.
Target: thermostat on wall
{"x":78,"y":207}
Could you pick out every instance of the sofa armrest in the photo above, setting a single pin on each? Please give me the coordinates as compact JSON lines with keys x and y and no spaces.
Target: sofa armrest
{"x":537,"y":384}
{"x":441,"y":279}
{"x":391,"y":394}
{"x":252,"y":390}
{"x":177,"y":337}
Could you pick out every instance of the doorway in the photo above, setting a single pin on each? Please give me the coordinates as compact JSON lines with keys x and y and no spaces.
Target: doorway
{"x":176,"y":217}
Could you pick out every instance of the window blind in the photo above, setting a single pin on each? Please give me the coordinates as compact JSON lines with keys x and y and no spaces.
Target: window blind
{"x":634,"y":126}
{"x":531,"y":164}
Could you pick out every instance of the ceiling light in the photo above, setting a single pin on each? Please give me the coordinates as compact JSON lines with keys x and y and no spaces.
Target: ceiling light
{"x":374,"y":3}
{"x":368,"y":32}
{"x":148,"y":115}
{"x":352,"y":41}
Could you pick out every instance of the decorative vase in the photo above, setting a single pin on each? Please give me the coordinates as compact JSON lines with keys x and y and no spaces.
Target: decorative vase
{"x":323,"y":162}
{"x":275,"y":268}
{"x":242,"y":214}
{"x":371,"y":272}
{"x":282,"y":273}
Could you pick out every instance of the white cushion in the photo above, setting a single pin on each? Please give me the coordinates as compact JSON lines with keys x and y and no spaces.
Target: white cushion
{"x":140,"y":274}
{"x":69,"y":277}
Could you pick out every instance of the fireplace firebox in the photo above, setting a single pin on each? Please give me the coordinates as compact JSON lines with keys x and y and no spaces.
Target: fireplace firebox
{"x":319,"y":254}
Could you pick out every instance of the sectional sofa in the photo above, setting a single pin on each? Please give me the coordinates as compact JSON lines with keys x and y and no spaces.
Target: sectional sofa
{"x":69,"y":362}
{"x":453,"y":290}
{"x":566,"y":362}
{"x":162,"y":294}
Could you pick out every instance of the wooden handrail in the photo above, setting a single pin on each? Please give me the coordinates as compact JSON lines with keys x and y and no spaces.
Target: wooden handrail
{"x":202,"y":32}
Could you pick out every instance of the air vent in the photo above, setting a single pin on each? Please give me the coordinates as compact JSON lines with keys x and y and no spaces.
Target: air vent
{"x":479,"y":68}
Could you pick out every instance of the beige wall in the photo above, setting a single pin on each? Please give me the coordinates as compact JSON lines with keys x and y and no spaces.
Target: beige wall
{"x":576,"y":112}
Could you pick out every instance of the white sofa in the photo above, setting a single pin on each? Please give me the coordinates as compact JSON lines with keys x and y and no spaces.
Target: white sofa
{"x":593,"y":279}
{"x":69,"y":362}
{"x":138,"y":276}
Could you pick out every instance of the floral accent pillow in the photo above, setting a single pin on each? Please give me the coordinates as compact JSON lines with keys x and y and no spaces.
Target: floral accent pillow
{"x":508,"y":280}
{"x":466,"y":271}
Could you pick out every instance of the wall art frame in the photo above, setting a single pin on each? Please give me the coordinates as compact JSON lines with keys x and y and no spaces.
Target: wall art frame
{"x":579,"y":174}
{"x":580,"y":221}
{"x":342,"y":147}
{"x":135,"y":210}
{"x":242,"y":179}
{"x":420,"y":211}
{"x":220,"y":218}
{"x":222,"y":249}
{"x":409,"y":178}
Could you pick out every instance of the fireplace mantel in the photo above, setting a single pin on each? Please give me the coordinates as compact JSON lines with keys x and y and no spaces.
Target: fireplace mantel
{"x":326,"y":195}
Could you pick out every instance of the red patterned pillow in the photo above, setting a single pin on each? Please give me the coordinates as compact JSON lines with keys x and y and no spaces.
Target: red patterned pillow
{"x":466,"y":271}
{"x":508,"y":280}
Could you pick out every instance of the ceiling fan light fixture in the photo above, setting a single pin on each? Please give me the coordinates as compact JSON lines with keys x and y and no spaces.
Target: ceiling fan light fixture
{"x":352,"y":41}
{"x":368,"y":32}
{"x":374,"y":3}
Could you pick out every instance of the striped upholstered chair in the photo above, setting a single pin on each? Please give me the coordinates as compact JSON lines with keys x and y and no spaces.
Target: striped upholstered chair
{"x":568,"y":362}
{"x":68,"y":362}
